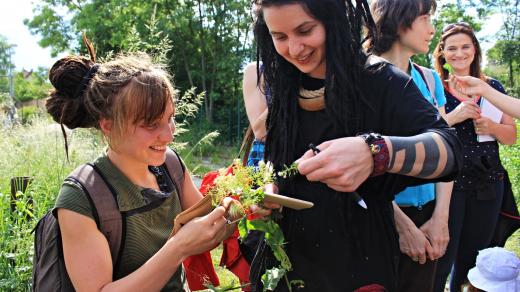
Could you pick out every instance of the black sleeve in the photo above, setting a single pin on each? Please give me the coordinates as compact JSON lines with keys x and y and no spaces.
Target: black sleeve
{"x":401,"y":110}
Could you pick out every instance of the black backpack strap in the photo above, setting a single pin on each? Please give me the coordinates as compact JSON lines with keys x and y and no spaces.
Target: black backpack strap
{"x":175,"y":170}
{"x":104,"y":202}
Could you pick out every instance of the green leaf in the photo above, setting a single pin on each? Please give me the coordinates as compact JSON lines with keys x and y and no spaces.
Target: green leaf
{"x":271,"y":278}
{"x":448,"y":67}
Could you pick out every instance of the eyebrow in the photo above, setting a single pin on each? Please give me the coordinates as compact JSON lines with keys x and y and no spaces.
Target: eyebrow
{"x":296,"y":28}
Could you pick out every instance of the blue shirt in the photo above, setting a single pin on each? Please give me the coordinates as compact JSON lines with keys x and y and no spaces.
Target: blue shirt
{"x":418,"y":196}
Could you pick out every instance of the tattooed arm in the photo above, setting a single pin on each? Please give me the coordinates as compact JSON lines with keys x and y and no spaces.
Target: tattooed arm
{"x":426,"y":155}
{"x":344,"y":164}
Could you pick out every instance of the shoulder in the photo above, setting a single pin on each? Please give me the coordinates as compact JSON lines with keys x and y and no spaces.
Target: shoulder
{"x":250,"y":72}
{"x":496,"y":84}
{"x":383,"y":71}
{"x":73,"y":197}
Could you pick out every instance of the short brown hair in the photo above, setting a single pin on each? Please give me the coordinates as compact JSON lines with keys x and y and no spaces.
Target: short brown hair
{"x":127,"y":90}
{"x":392,"y":15}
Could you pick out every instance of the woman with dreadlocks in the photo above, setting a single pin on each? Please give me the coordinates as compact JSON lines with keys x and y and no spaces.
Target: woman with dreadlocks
{"x":375,"y":135}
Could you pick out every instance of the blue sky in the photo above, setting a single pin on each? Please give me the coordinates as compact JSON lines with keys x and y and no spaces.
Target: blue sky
{"x":29,"y":55}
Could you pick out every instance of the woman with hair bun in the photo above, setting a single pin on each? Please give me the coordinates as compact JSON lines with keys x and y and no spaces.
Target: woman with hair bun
{"x":131,"y":101}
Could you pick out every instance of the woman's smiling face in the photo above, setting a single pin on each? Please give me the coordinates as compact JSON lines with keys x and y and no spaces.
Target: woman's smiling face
{"x":459,"y":52}
{"x":298,"y":37}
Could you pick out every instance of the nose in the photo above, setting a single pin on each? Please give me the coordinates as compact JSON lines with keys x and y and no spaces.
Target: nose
{"x":166,"y":133}
{"x":431,"y":28}
{"x":295,"y":47}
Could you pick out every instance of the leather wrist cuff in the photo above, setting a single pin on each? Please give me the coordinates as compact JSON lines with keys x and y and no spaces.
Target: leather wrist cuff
{"x":379,"y":151}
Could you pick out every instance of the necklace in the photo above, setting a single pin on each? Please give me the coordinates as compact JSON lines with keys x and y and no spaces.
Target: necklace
{"x":312,"y":100}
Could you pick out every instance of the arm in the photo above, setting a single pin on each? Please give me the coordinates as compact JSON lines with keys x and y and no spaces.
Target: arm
{"x":412,"y":241}
{"x":344,"y":164}
{"x":436,"y":228}
{"x":255,"y":102}
{"x":465,"y":110}
{"x":88,"y":260}
{"x":474,"y":86}
{"x":191,"y":194}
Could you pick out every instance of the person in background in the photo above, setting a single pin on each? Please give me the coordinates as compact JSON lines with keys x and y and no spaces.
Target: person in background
{"x":364,"y":132}
{"x":130,"y":101}
{"x":471,"y":86}
{"x":478,"y":190}
{"x":255,"y":102}
{"x":496,"y":270}
{"x":404,"y":29}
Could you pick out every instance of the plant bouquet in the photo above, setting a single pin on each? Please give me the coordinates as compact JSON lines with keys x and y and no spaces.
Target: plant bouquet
{"x":246,"y":185}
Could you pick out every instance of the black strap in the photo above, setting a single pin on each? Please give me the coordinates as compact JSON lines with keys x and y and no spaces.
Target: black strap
{"x":104,"y":204}
{"x":175,"y":170}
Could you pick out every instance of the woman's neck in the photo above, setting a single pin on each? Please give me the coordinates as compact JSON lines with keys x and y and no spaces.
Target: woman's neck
{"x":136,"y":172}
{"x":398,"y":56}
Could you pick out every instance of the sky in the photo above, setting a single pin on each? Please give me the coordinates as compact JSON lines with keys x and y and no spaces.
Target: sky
{"x":29,"y":55}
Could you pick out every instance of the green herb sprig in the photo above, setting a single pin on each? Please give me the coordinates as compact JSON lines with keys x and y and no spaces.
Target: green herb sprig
{"x":247,"y":184}
{"x":448,"y":67}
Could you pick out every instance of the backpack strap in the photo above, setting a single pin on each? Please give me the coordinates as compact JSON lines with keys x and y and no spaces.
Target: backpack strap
{"x":103,"y":201}
{"x":427,"y":76}
{"x":175,"y":170}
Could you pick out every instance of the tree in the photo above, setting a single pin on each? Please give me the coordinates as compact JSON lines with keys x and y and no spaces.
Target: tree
{"x":209,"y":38}
{"x":6,"y":66}
{"x":506,"y":51}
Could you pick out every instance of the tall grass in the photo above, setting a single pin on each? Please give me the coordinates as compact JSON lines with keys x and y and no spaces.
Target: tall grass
{"x":35,"y":150}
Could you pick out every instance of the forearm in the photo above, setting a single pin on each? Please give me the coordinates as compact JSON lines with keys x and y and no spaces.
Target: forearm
{"x":450,"y":119}
{"x":443,"y":192}
{"x":154,"y":274}
{"x":402,"y":221}
{"x":505,"y":134}
{"x":259,"y":127}
{"x":505,"y":103}
{"x":427,"y":155}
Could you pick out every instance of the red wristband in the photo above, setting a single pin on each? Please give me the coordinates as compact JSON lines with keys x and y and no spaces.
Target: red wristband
{"x":379,"y":151}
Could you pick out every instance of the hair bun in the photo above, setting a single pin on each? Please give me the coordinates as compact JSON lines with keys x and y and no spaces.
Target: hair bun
{"x":65,"y":105}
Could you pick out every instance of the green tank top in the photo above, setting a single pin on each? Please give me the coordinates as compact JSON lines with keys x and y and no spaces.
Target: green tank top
{"x":149,"y":216}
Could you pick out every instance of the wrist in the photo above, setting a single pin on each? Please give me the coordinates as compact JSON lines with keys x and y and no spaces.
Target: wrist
{"x":379,"y":152}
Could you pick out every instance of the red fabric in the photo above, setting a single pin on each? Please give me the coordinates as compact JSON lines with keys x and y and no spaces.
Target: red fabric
{"x":199,"y":268}
{"x":371,"y":288}
{"x":233,"y":259}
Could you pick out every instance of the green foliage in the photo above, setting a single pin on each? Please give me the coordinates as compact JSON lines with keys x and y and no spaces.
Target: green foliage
{"x":505,"y":54}
{"x":35,"y":151}
{"x":201,"y":33}
{"x":28,"y":112}
{"x":33,"y":86}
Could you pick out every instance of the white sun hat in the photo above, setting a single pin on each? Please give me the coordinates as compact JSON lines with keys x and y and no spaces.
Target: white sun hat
{"x":497,"y":270}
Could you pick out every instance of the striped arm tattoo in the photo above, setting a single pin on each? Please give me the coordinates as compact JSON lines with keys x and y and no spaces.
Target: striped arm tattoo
{"x":426,"y":155}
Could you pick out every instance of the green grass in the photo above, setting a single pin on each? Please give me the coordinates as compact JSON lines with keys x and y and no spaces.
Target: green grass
{"x":510,"y":156}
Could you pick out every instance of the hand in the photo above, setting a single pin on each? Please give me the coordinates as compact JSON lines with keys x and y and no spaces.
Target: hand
{"x":260,"y":212}
{"x":202,"y":233}
{"x":468,"y":85}
{"x":414,"y":244}
{"x":484,"y":126}
{"x":465,"y":110}
{"x":436,"y":231}
{"x":343,"y":164}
